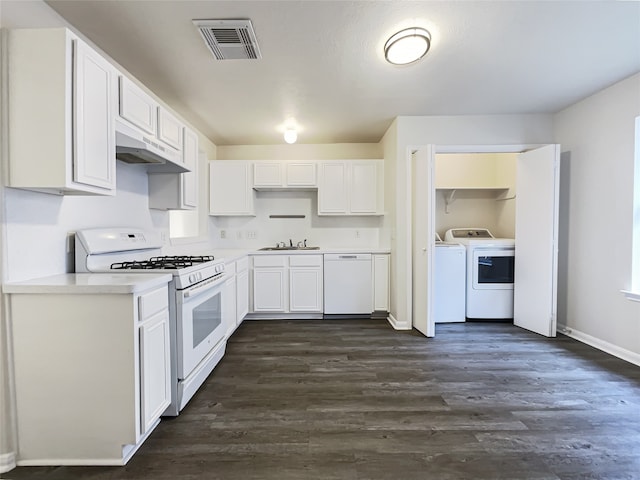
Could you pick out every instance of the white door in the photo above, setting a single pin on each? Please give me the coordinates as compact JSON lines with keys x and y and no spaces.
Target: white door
{"x":423,"y":239}
{"x":536,"y":263}
{"x":93,"y":128}
{"x":155,"y":368}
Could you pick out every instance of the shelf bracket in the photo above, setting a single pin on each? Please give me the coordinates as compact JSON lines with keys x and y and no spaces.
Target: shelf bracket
{"x":449,"y":199}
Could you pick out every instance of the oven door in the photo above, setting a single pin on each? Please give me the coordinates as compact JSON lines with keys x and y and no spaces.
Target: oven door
{"x":199,"y":322}
{"x":493,"y":268}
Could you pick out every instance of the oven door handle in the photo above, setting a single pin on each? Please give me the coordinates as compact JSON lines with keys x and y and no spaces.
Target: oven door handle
{"x":203,"y":287}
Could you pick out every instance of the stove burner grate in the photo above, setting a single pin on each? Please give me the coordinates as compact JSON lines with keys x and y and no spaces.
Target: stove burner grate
{"x":166,"y":262}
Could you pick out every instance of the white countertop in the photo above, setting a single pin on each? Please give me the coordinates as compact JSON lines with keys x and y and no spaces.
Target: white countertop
{"x":89,"y":283}
{"x":230,"y":255}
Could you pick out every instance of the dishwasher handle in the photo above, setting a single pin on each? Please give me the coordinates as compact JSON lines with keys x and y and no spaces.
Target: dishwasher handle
{"x":337,"y":257}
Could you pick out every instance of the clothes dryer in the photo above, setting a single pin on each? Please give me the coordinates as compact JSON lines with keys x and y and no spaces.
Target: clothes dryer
{"x":490,"y":272}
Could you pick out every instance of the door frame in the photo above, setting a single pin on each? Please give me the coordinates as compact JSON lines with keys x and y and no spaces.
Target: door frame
{"x":436,"y":149}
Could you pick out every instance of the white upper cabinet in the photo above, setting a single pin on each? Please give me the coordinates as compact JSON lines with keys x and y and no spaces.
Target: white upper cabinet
{"x":170,"y":191}
{"x":190,"y":179}
{"x":351,"y":187}
{"x":138,"y":107}
{"x":169,"y":129}
{"x":268,"y":175}
{"x":301,"y":174}
{"x":62,"y":102}
{"x":284,"y":175}
{"x":332,"y":189}
{"x":230,"y":188}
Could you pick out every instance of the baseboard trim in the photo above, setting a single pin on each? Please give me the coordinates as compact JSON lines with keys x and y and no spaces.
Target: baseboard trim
{"x":7,"y":462}
{"x":398,"y":325}
{"x":607,"y":347}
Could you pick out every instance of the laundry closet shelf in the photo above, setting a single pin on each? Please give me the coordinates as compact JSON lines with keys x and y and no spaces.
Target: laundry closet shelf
{"x":449,"y":193}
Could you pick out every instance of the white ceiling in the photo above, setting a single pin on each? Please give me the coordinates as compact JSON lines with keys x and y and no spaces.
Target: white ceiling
{"x":322,"y":61}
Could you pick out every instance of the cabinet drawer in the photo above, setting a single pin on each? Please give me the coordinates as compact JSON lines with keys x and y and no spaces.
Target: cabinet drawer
{"x":269,"y":261}
{"x":153,"y":302}
{"x":305,"y":261}
{"x":242,"y":264}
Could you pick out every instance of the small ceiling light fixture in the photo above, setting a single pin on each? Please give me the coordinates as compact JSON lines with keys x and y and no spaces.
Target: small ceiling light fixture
{"x":407,"y":46}
{"x":290,"y":135}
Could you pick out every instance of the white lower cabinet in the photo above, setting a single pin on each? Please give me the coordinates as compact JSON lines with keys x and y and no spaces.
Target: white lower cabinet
{"x":381,"y":279}
{"x":92,"y":374}
{"x":287,"y":284}
{"x":229,"y":302}
{"x":305,"y":283}
{"x":242,"y":289}
{"x":155,"y":368}
{"x":269,"y":283}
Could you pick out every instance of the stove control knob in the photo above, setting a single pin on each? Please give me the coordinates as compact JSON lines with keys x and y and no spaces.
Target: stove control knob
{"x":199,"y":276}
{"x":192,"y":278}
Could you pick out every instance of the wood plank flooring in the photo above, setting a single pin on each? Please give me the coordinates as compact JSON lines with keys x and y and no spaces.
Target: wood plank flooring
{"x":353,"y":399}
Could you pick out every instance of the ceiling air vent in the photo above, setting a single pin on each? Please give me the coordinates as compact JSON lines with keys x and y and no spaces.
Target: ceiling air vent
{"x":229,"y":39}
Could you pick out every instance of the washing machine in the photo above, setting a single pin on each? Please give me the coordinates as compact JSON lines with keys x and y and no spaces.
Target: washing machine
{"x":449,"y":280}
{"x":490,"y":272}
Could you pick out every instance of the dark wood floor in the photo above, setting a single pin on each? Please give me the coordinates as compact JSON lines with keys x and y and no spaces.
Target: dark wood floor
{"x":339,"y":399}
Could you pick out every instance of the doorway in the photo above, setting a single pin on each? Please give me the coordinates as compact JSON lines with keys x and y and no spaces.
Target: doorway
{"x":536,"y":233}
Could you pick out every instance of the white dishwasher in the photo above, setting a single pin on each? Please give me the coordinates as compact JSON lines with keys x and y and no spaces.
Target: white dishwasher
{"x":348,"y":284}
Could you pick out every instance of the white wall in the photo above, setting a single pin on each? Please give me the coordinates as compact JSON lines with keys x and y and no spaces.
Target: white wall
{"x":474,"y":203}
{"x":597,"y":138}
{"x":443,"y":130}
{"x":324,"y":231}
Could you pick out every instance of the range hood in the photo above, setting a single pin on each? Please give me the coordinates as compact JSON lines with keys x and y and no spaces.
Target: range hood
{"x":134,"y":146}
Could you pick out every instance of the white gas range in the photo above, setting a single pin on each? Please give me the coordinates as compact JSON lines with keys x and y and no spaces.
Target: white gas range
{"x":195,"y":298}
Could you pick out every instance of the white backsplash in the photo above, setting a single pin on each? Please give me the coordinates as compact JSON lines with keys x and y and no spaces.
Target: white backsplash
{"x":322,"y":231}
{"x":40,"y":227}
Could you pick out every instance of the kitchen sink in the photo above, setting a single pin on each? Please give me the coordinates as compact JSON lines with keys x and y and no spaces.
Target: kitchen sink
{"x":270,"y":249}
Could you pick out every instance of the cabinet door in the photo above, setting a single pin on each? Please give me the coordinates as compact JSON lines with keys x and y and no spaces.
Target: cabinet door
{"x":301,"y":174}
{"x":332,"y":189}
{"x":267,"y":174}
{"x":169,"y":129}
{"x":155,"y":368}
{"x":138,"y":107}
{"x":381,"y":283}
{"x":268,"y":290}
{"x":190,"y":179}
{"x":230,"y":188}
{"x":242,"y":295}
{"x":305,"y":290}
{"x":229,"y":305}
{"x":363,"y":188}
{"x":93,"y":128}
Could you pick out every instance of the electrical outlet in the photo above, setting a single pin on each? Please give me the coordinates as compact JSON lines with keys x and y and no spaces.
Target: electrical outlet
{"x":252,"y":234}
{"x":239,"y":234}
{"x":223,"y":234}
{"x":163,"y":237}
{"x":357,"y":233}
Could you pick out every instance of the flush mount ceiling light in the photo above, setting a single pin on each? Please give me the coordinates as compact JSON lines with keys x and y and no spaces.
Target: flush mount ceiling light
{"x":407,"y":46}
{"x":290,"y":135}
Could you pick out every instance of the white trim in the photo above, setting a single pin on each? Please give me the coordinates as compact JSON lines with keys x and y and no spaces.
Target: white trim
{"x":606,"y":347}
{"x":633,"y":296}
{"x":398,"y":325}
{"x":518,"y":148}
{"x":7,"y":462}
